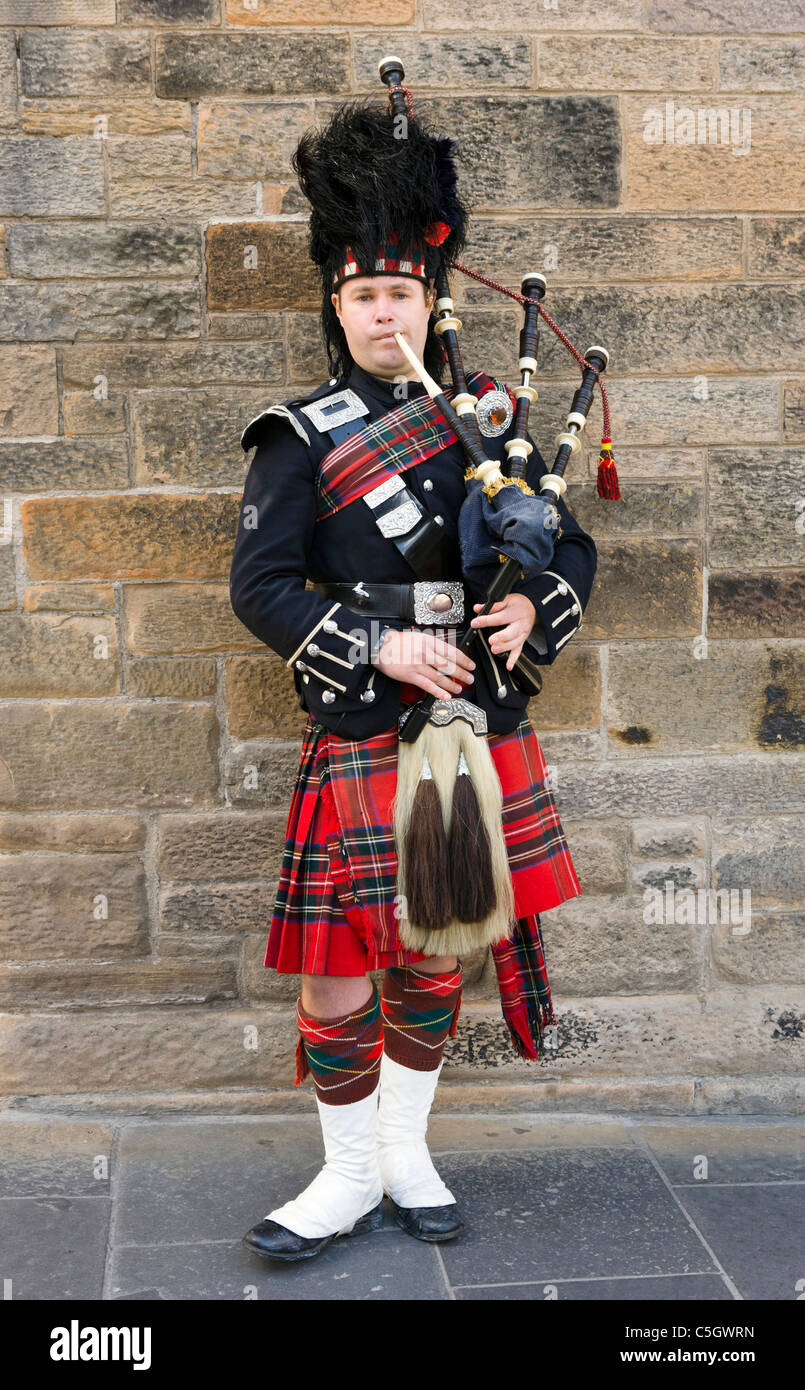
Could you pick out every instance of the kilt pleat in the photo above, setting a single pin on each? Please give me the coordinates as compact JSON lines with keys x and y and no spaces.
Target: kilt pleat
{"x":318,"y":927}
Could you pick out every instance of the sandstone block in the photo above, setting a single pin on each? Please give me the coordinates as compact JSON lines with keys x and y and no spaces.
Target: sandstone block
{"x":727,"y":151}
{"x":223,"y":909}
{"x":84,"y":250}
{"x":143,"y":366}
{"x":143,"y":536}
{"x":261,"y":699}
{"x":180,"y":678}
{"x":195,"y":66}
{"x":28,"y":398}
{"x":107,"y":755}
{"x":38,"y":466}
{"x":51,"y":178}
{"x":625,"y":64}
{"x":767,"y":603}
{"x":70,"y":598}
{"x":104,"y":65}
{"x":260,"y":265}
{"x":741,"y":697}
{"x":121,"y":1050}
{"x":192,"y":437}
{"x":645,"y":589}
{"x":50,"y":655}
{"x":171,"y":618}
{"x":56,"y":905}
{"x":228,"y":847}
{"x":58,"y":309}
{"x":747,"y":520}
{"x":571,"y":693}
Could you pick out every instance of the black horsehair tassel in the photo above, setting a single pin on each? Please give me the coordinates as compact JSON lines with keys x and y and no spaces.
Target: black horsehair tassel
{"x":426,"y":877}
{"x":469,"y":853}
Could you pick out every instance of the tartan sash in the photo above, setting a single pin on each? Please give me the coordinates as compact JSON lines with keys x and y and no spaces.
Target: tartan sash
{"x":403,"y":437}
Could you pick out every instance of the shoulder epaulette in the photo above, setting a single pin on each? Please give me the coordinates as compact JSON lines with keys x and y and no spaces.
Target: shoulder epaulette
{"x":253,"y":431}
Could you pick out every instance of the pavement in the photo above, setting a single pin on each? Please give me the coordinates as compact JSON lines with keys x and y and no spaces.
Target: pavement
{"x":579,"y":1207}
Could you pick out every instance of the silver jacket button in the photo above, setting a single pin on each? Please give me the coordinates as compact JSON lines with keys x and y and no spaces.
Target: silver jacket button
{"x":367,"y":696}
{"x":300,"y":665}
{"x":328,"y":696}
{"x":313,"y":648}
{"x":330,"y":625}
{"x":562,"y":588}
{"x":428,"y":485}
{"x":501,"y":692}
{"x":575,"y":608}
{"x":440,"y":520}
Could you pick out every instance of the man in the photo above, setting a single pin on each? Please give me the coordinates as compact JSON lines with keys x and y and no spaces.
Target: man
{"x":363,"y":644}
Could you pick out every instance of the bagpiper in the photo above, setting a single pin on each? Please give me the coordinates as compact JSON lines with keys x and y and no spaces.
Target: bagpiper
{"x":347,"y":564}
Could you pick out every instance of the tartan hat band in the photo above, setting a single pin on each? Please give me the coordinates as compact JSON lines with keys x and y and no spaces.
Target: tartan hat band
{"x":388,"y":261}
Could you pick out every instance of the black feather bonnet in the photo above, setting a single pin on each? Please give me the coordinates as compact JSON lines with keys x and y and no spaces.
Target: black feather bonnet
{"x":382,"y":191}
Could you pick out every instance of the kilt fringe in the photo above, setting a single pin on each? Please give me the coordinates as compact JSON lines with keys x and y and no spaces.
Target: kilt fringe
{"x":527,"y":1029}
{"x":525,"y":995}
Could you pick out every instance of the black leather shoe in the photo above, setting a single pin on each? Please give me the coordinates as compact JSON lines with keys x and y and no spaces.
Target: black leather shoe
{"x":277,"y":1242}
{"x":429,"y":1223}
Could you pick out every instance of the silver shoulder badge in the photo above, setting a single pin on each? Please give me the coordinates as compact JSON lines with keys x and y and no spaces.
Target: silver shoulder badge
{"x":339,"y":409}
{"x":494,"y":413}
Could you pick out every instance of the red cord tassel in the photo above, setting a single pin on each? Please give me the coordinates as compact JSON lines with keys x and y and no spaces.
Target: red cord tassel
{"x":454,"y":1024}
{"x":607,"y":484}
{"x":302,"y":1068}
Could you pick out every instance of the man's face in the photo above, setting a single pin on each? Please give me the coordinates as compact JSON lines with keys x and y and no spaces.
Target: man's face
{"x":372,"y":308}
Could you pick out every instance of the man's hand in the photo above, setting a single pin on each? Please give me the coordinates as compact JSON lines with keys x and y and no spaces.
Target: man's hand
{"x":422,"y":659}
{"x":518,"y":615}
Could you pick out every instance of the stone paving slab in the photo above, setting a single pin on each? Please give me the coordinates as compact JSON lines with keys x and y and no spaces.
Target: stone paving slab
{"x":750,"y":1150}
{"x":693,"y":1288}
{"x":54,"y":1157}
{"x":377,"y":1265}
{"x":54,"y":1247}
{"x":565,"y":1213}
{"x":757,"y":1232}
{"x":578,"y":1207}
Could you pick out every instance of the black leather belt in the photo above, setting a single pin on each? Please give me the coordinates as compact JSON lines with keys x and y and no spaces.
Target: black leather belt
{"x":442,"y":602}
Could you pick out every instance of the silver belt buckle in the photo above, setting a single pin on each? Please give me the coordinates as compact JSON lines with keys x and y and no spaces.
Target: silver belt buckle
{"x":438,"y":601}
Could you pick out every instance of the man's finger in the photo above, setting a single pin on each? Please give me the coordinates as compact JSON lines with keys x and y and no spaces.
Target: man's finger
{"x":448,"y":653}
{"x":488,"y":618}
{"x":505,"y":637}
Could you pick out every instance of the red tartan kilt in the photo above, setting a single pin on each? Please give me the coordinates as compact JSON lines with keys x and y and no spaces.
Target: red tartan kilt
{"x":316,"y":931}
{"x":327,"y":943}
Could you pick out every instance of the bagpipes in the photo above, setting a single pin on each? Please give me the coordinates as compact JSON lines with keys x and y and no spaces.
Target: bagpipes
{"x":453,"y":871}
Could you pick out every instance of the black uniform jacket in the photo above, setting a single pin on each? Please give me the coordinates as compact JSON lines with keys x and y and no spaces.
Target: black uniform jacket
{"x":280,"y":545}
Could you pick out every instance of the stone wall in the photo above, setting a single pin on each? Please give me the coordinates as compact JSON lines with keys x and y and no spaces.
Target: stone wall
{"x":155,"y":295}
